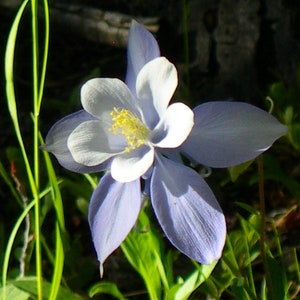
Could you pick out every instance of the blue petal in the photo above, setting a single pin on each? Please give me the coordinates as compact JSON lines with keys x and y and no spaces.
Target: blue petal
{"x":229,"y":133}
{"x":57,"y":142}
{"x":187,"y":211}
{"x":113,"y":211}
{"x":142,"y":47}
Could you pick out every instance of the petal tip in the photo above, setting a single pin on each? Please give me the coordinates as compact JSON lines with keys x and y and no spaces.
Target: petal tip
{"x":101,"y":270}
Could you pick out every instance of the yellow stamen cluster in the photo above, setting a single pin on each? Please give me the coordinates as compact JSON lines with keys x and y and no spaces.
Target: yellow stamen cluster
{"x":129,"y":125}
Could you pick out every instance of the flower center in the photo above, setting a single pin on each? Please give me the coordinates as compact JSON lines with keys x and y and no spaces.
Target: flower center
{"x":128,"y":124}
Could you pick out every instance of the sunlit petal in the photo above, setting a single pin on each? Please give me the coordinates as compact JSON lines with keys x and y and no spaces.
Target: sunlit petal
{"x":155,"y":86}
{"x":187,"y":211}
{"x":229,"y":133}
{"x":101,"y":95}
{"x":174,"y":127}
{"x":130,"y":166}
{"x":113,"y":211}
{"x":90,"y":143}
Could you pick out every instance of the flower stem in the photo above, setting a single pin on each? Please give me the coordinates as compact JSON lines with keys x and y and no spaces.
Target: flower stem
{"x":261,"y":191}
{"x":35,"y":58}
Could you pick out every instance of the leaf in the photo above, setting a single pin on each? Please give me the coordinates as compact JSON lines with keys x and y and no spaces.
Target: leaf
{"x":59,"y":228}
{"x":229,"y":258}
{"x":143,"y":251}
{"x":240,"y":292}
{"x":277,"y":286}
{"x":288,"y":115}
{"x":193,"y":281}
{"x":82,"y":204}
{"x":236,"y":171}
{"x":105,"y":287}
{"x":295,"y":135}
{"x":12,"y":292}
{"x":29,"y":285}
{"x":247,"y":207}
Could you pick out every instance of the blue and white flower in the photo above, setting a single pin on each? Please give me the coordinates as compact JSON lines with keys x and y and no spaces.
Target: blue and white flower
{"x":129,"y":129}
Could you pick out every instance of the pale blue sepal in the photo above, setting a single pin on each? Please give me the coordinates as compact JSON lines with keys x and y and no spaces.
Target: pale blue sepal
{"x":142,"y":48}
{"x":230,"y":133}
{"x":57,"y":142}
{"x":187,"y":211}
{"x":113,"y":211}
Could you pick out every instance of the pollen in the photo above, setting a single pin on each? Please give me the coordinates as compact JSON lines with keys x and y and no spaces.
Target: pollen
{"x":130,"y":126}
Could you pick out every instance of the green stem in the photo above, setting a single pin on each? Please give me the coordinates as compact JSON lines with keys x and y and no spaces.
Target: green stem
{"x":262,"y":206}
{"x":297,"y":265}
{"x":8,"y":250}
{"x":35,"y":58}
{"x":45,"y":54}
{"x":11,"y":101}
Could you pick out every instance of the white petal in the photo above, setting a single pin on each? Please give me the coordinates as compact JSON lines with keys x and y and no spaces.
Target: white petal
{"x":102,"y":95}
{"x":175,"y":126}
{"x":91,"y":143}
{"x":155,"y":86}
{"x":130,"y":166}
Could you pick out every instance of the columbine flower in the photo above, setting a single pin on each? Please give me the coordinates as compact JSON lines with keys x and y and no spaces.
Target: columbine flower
{"x":130,"y":129}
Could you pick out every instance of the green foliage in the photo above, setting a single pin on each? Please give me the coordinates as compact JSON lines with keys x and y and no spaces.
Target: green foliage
{"x":274,"y":172}
{"x":278,"y":285}
{"x":143,"y":248}
{"x":26,"y":288}
{"x":235,"y":273}
{"x":286,"y":100}
{"x":106,"y":288}
{"x":236,"y":171}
